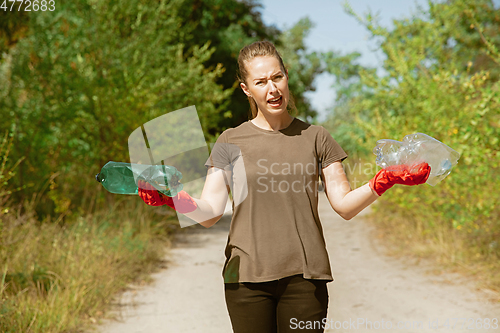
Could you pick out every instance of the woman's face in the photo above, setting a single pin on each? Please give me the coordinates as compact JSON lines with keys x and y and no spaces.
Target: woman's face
{"x":267,"y":84}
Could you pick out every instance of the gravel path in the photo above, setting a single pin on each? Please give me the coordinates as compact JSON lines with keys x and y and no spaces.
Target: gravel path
{"x":371,"y":291}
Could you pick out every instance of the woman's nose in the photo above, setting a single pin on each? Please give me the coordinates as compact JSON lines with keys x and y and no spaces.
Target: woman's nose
{"x":272,"y":86}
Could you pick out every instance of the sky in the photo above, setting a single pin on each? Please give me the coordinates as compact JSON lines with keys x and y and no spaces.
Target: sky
{"x":334,"y":29}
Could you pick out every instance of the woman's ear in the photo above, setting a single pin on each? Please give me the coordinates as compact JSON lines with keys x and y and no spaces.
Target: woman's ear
{"x":245,"y":89}
{"x":286,"y":70}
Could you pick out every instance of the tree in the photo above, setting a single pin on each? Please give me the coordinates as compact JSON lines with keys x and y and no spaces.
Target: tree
{"x":349,"y":89}
{"x":229,"y":26}
{"x":81,"y":80}
{"x":85,"y":76}
{"x":13,"y":26}
{"x":437,"y":83}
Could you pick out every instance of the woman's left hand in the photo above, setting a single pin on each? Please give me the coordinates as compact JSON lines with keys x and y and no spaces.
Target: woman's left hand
{"x":348,"y":203}
{"x":400,"y":174}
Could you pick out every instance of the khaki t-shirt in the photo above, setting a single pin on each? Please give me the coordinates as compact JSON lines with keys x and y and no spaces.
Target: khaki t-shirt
{"x":275,"y":229}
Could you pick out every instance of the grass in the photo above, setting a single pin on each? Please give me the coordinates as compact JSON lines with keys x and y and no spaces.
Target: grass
{"x":63,"y":278}
{"x":407,"y":235}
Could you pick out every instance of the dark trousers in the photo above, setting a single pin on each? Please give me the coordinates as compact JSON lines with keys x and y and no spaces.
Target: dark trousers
{"x":291,"y":304}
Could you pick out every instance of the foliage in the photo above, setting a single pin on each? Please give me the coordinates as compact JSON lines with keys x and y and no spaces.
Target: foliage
{"x":438,"y":82}
{"x":228,"y":25}
{"x":90,"y":73}
{"x":13,"y":25}
{"x":349,"y":89}
{"x":6,"y":170}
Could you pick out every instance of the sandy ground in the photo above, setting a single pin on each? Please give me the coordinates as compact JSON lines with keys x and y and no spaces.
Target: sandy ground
{"x":371,"y":291}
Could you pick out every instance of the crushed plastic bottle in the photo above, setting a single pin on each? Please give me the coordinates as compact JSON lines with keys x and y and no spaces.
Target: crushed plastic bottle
{"x":121,"y":178}
{"x":415,"y":149}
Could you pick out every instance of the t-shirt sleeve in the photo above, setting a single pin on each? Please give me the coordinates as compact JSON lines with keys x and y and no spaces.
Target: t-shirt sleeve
{"x":329,"y":150}
{"x":223,"y":154}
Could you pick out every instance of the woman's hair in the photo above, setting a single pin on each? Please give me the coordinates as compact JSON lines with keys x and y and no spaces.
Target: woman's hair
{"x":259,"y":49}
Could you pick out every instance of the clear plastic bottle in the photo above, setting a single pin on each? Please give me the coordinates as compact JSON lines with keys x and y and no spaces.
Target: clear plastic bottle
{"x":121,"y":178}
{"x":415,"y":149}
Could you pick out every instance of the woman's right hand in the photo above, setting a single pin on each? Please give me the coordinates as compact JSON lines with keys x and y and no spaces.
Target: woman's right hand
{"x":150,"y":195}
{"x":207,"y":210}
{"x":182,"y":202}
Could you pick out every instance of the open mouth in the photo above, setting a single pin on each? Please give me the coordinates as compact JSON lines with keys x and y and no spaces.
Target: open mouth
{"x":275,"y":102}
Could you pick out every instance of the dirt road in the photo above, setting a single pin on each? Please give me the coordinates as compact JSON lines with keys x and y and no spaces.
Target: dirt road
{"x":371,"y":292}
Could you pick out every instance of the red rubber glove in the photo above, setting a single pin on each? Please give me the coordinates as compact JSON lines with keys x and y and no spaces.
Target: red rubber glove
{"x":399,"y":174}
{"x":182,"y":202}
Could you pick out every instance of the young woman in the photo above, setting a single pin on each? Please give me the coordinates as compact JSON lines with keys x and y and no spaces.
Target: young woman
{"x":277,"y":266}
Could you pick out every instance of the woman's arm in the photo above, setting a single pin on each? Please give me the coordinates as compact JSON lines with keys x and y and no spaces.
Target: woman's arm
{"x":345,"y":201}
{"x":212,"y":202}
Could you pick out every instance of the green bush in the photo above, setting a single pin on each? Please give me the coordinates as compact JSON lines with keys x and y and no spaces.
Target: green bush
{"x":440,"y":78}
{"x":62,"y":278}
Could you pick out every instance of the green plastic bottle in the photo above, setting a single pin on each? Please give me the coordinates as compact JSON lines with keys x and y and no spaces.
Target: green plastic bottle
{"x":120,"y":178}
